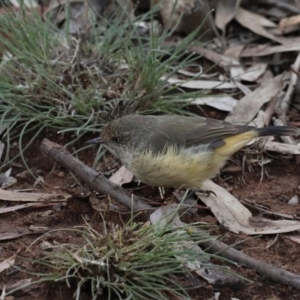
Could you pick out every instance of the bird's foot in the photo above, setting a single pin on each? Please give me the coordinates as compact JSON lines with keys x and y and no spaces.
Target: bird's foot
{"x":207,"y":193}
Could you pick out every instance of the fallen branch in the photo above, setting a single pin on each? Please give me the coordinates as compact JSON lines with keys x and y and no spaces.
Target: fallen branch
{"x":94,"y":180}
{"x":267,"y":270}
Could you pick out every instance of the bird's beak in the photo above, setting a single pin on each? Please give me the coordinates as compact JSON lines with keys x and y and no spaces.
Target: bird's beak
{"x":95,"y":141}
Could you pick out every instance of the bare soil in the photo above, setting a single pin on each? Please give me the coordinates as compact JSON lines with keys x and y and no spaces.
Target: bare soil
{"x":279,"y":184}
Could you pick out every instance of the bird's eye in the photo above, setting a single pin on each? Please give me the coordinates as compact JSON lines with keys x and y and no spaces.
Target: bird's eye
{"x":116,"y":139}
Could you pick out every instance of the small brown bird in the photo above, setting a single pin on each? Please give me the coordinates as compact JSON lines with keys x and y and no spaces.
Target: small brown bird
{"x":177,"y":151}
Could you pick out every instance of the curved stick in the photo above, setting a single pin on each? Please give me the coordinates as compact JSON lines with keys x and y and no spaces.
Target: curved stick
{"x":94,"y":180}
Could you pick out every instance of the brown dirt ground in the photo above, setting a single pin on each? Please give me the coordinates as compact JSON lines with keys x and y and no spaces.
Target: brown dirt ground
{"x":274,"y":191}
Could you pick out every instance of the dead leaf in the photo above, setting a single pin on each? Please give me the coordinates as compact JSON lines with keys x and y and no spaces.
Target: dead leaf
{"x":22,"y":285}
{"x":186,"y":16}
{"x":259,"y":121}
{"x":263,"y":50}
{"x":236,"y":68}
{"x":165,"y":215}
{"x":243,"y":88}
{"x":2,"y":145}
{"x":7,"y":263}
{"x":26,"y":3}
{"x":199,"y":84}
{"x":287,"y":22}
{"x":248,"y":106}
{"x":256,"y":23}
{"x":254,"y":72}
{"x":6,"y":180}
{"x":171,"y":11}
{"x":294,"y":237}
{"x":38,"y":197}
{"x":222,"y":102}
{"x":225,"y":12}
{"x":79,"y":13}
{"x":215,"y":57}
{"x":4,"y":210}
{"x":14,"y":235}
{"x":294,"y":200}
{"x":236,"y":217}
{"x":123,"y":175}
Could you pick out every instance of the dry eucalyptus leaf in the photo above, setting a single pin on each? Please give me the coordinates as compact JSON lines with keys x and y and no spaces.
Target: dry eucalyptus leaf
{"x":243,"y":88}
{"x":287,"y":22}
{"x":200,"y":84}
{"x":248,"y":106}
{"x":236,"y":68}
{"x":23,"y":286}
{"x":259,"y":121}
{"x":213,"y":56}
{"x":7,"y":263}
{"x":187,"y":15}
{"x":172,"y":11}
{"x":82,"y":13}
{"x":236,"y":217}
{"x":294,"y":200}
{"x":263,"y":50}
{"x":4,"y":210}
{"x":254,"y":72}
{"x":123,"y":175}
{"x":39,"y":197}
{"x":56,"y":13}
{"x":225,"y":12}
{"x":294,"y":237}
{"x":26,"y":3}
{"x":2,"y":145}
{"x":256,"y":23}
{"x":6,"y":236}
{"x":223,"y":102}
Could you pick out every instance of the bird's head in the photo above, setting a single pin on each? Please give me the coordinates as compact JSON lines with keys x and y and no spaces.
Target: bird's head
{"x":121,"y":136}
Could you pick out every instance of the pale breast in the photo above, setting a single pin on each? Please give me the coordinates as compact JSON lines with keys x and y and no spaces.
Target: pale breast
{"x":177,"y":167}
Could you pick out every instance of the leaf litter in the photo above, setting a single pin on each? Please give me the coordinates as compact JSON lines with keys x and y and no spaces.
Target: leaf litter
{"x":256,"y":40}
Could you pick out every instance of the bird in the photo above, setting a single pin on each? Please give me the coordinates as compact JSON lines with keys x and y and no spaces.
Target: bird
{"x":178,"y":151}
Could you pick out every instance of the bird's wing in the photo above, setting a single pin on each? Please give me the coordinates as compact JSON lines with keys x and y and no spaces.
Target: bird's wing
{"x":213,"y":132}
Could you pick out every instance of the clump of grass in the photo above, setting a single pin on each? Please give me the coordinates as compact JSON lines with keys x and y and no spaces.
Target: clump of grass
{"x":133,"y":262}
{"x":55,"y":81}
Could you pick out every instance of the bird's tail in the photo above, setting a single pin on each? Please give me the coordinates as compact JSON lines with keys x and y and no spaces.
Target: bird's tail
{"x":278,"y":130}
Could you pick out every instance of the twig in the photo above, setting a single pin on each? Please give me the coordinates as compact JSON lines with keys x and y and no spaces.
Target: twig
{"x":267,"y":270}
{"x":284,"y":106}
{"x":95,"y":181}
{"x":259,"y":208}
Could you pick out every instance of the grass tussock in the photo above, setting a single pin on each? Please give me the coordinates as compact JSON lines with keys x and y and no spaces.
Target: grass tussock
{"x":133,"y":262}
{"x":52,"y":80}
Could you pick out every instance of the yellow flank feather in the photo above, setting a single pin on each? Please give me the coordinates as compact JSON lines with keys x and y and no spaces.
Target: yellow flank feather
{"x":185,"y":167}
{"x":236,"y":142}
{"x":177,"y":167}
